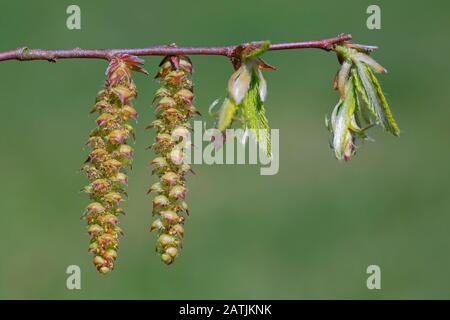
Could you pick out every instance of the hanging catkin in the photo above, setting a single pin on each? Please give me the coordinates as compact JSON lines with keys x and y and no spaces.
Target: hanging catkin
{"x":108,"y":159}
{"x":174,"y":109}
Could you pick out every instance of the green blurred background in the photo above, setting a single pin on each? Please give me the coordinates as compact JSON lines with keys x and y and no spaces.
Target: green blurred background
{"x":308,"y":232}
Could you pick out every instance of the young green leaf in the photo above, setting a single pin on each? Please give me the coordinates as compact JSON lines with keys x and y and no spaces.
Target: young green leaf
{"x":343,"y":77}
{"x":376,"y":98}
{"x":226,"y":114}
{"x":255,"y":115}
{"x":391,"y":124}
{"x":342,"y":139}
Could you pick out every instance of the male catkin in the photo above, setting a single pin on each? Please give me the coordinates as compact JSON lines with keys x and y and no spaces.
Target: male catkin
{"x":174,"y":109}
{"x":108,"y":159}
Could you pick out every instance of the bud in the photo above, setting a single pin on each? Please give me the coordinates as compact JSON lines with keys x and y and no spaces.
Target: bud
{"x":94,"y":229}
{"x":157,"y":225}
{"x":94,"y":208}
{"x":166,"y":258}
{"x":185,"y":95}
{"x":169,"y":216}
{"x":112,"y":166}
{"x":100,"y":185}
{"x":159,"y":163}
{"x":111,"y":219}
{"x":123,"y":93}
{"x":166,"y":103}
{"x":163,"y":139}
{"x":99,"y":261}
{"x":125,"y":151}
{"x":113,"y":198}
{"x":172,"y":251}
{"x":93,"y":247}
{"x":96,"y":142}
{"x":186,"y":65}
{"x":91,"y":171}
{"x":98,"y":154}
{"x":111,"y":254}
{"x":156,"y":187}
{"x":160,"y":201}
{"x":107,"y":239}
{"x":104,"y":118}
{"x":175,"y":78}
{"x":129,"y":112}
{"x":104,"y":270}
{"x":165,"y":240}
{"x":178,"y":230}
{"x":170,"y":178}
{"x":117,"y":136}
{"x":100,"y":106}
{"x":172,"y":115}
{"x":239,"y":84}
{"x":121,"y":178}
{"x":162,"y":92}
{"x":177,"y":192}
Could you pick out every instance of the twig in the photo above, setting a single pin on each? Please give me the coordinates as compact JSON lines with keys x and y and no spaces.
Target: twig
{"x":26,"y":54}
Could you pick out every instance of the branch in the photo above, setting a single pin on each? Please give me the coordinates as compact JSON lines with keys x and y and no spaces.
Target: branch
{"x":26,"y":54}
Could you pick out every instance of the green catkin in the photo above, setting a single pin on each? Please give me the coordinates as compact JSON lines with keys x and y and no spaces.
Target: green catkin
{"x":174,"y":109}
{"x":109,"y":157}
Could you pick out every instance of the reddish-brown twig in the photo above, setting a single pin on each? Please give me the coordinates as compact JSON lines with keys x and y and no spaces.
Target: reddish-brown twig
{"x":26,"y":54}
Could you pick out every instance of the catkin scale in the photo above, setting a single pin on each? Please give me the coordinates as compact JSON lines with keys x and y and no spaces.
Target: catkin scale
{"x":109,"y":157}
{"x":174,"y":109}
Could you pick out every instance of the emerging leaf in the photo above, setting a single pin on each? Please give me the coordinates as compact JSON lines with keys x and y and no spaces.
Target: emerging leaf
{"x":343,"y":118}
{"x":247,"y":91}
{"x":361,"y":98}
{"x":239,"y":83}
{"x":254,"y":113}
{"x":226,"y":114}
{"x":376,"y":98}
